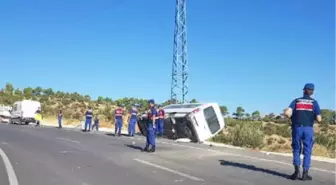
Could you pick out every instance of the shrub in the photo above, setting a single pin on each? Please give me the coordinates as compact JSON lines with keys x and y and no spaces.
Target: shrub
{"x":222,"y":138}
{"x":327,"y":140}
{"x":247,"y":135}
{"x":269,"y":129}
{"x":283,"y":130}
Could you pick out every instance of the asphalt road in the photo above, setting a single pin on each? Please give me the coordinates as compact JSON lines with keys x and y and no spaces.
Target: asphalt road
{"x":52,"y":156}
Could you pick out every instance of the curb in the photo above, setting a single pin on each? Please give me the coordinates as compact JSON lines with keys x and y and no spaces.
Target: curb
{"x":315,"y":158}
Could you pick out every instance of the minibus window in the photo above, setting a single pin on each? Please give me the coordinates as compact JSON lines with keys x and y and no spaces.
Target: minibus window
{"x":211,"y":119}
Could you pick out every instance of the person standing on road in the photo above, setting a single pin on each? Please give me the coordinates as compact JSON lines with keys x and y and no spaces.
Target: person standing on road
{"x":160,"y":122}
{"x":88,"y":119}
{"x":60,"y":117}
{"x":96,"y":123}
{"x":38,"y":117}
{"x":118,"y":120}
{"x":132,"y":121}
{"x":151,"y":116}
{"x":302,"y":112}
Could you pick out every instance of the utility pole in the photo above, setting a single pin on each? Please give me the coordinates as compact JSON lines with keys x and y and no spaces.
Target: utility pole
{"x":179,"y":87}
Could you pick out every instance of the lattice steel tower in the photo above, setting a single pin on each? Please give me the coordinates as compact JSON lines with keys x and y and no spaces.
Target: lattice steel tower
{"x":179,"y":87}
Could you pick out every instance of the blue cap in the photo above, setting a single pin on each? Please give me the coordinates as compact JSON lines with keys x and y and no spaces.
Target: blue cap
{"x":309,"y":86}
{"x":151,"y":101}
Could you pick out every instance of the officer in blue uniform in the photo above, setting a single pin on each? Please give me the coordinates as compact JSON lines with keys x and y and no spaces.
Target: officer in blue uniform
{"x":88,"y":119}
{"x":132,"y":121}
{"x":151,"y":116}
{"x":303,"y":112}
{"x":118,"y":116}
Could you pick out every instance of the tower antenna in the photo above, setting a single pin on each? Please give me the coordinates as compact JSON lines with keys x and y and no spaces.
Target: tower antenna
{"x":179,"y":87}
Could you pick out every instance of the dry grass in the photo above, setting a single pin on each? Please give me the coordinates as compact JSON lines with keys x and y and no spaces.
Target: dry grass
{"x":277,"y":137}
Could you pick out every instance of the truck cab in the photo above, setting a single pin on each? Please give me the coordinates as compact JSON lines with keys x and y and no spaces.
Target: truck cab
{"x":23,"y":112}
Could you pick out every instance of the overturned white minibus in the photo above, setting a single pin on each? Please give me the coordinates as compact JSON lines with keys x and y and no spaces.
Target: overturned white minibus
{"x":195,"y":121}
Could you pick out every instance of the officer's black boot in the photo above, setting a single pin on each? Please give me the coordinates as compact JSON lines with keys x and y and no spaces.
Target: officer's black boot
{"x":145,"y":149}
{"x":296,"y":173}
{"x":152,"y":149}
{"x":305,"y":176}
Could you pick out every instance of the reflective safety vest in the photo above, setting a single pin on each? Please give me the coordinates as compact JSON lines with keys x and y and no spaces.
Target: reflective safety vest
{"x":118,"y":113}
{"x":133,"y":114}
{"x":38,"y":117}
{"x":151,"y":114}
{"x":88,"y":114}
{"x":161,"y":114}
{"x":303,"y":113}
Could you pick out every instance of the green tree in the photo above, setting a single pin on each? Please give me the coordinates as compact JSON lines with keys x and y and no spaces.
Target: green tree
{"x":256,"y":115}
{"x":28,"y":92}
{"x":48,"y":92}
{"x":239,"y":112}
{"x":247,"y":116}
{"x":37,"y":91}
{"x":193,"y":101}
{"x":100,"y":99}
{"x":224,"y":110}
{"x":9,"y":88}
{"x":18,"y":92}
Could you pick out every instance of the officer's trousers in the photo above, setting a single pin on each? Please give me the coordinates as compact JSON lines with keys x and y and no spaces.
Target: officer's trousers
{"x":159,"y":126}
{"x":302,"y":136}
{"x":96,"y":124}
{"x":60,"y":122}
{"x":131,"y":127}
{"x":88,"y":124}
{"x":118,"y":126}
{"x":150,"y":138}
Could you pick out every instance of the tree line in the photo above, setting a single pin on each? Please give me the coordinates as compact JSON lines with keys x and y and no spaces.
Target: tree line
{"x":75,"y":104}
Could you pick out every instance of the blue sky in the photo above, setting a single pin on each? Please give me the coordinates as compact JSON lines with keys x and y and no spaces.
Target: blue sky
{"x":255,"y":54}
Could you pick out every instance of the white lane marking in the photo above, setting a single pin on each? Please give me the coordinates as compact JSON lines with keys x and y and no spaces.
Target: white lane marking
{"x":9,"y":168}
{"x":169,"y":170}
{"x":4,"y":143}
{"x":65,"y":139}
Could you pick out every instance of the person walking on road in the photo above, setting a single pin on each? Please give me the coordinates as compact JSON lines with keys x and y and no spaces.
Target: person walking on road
{"x":132,"y":121}
{"x":60,"y":117}
{"x":88,"y":119}
{"x":303,"y":112}
{"x":151,"y":116}
{"x":118,"y":119}
{"x":96,"y":123}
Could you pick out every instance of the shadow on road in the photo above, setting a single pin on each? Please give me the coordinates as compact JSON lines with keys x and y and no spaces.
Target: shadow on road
{"x":253,"y":168}
{"x":134,"y":147}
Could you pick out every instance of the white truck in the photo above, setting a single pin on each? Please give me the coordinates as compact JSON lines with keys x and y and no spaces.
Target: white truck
{"x":5,"y":114}
{"x":196,"y":121}
{"x":23,"y":112}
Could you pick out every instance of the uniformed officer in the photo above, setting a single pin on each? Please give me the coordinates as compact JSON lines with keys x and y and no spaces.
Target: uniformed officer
{"x":150,"y":138}
{"x":303,"y":111}
{"x":132,"y":121}
{"x":96,"y":123}
{"x":118,"y":116}
{"x":60,"y":117}
{"x":160,"y":121}
{"x":88,"y":119}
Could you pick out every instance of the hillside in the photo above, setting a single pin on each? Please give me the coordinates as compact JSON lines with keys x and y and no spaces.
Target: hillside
{"x":271,"y":133}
